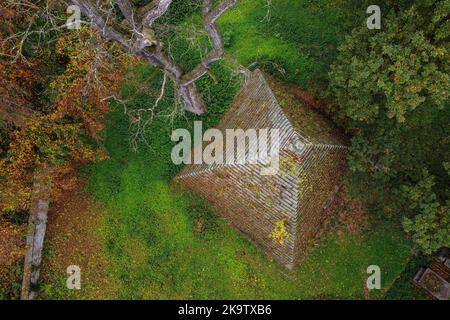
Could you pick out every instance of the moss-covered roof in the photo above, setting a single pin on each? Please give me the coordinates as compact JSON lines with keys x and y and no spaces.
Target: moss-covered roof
{"x":306,"y":121}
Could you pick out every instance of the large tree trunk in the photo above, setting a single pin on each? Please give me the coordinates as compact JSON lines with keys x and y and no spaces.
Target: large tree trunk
{"x":193,"y":102}
{"x":144,"y":43}
{"x":192,"y":99}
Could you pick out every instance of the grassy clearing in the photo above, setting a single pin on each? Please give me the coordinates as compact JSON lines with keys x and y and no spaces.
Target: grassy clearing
{"x":295,"y":40}
{"x":299,"y":37}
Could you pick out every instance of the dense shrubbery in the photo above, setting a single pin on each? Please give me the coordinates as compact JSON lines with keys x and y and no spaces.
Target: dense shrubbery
{"x":392,"y":90}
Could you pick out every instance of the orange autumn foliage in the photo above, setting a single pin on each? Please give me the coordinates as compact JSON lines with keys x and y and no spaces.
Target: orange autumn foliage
{"x":17,"y":76}
{"x":70,"y":132}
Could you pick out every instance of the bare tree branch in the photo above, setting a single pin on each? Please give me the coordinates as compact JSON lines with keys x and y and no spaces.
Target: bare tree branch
{"x":127,"y":10}
{"x":100,"y":23}
{"x":144,"y":43}
{"x":159,"y":9}
{"x":209,"y":19}
{"x":139,"y":122}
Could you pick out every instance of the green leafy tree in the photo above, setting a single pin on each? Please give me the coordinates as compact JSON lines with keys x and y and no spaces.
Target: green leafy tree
{"x":430,"y":227}
{"x":393,"y":72}
{"x":391,"y":91}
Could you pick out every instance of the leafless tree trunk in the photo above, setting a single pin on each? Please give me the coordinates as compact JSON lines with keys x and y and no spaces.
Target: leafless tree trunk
{"x":141,"y":41}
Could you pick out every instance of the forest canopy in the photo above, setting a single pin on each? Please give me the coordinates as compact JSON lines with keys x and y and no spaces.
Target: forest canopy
{"x":391,"y":89}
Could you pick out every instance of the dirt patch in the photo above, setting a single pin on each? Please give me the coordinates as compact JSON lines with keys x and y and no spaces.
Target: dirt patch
{"x":308,"y":98}
{"x":344,"y":215}
{"x":74,"y":238}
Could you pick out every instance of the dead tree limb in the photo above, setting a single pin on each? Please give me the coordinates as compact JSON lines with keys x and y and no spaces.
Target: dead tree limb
{"x":209,"y":19}
{"x":159,"y":9}
{"x":142,"y":42}
{"x":127,"y":10}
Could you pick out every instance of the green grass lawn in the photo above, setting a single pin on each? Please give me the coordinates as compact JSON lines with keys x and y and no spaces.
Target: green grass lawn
{"x":299,"y":36}
{"x":151,"y":232}
{"x":296,"y":40}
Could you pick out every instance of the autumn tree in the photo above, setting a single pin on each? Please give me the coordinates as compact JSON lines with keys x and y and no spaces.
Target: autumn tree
{"x":62,"y":129}
{"x":90,"y":62}
{"x":17,"y":78}
{"x":54,"y":117}
{"x":132,"y":27}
